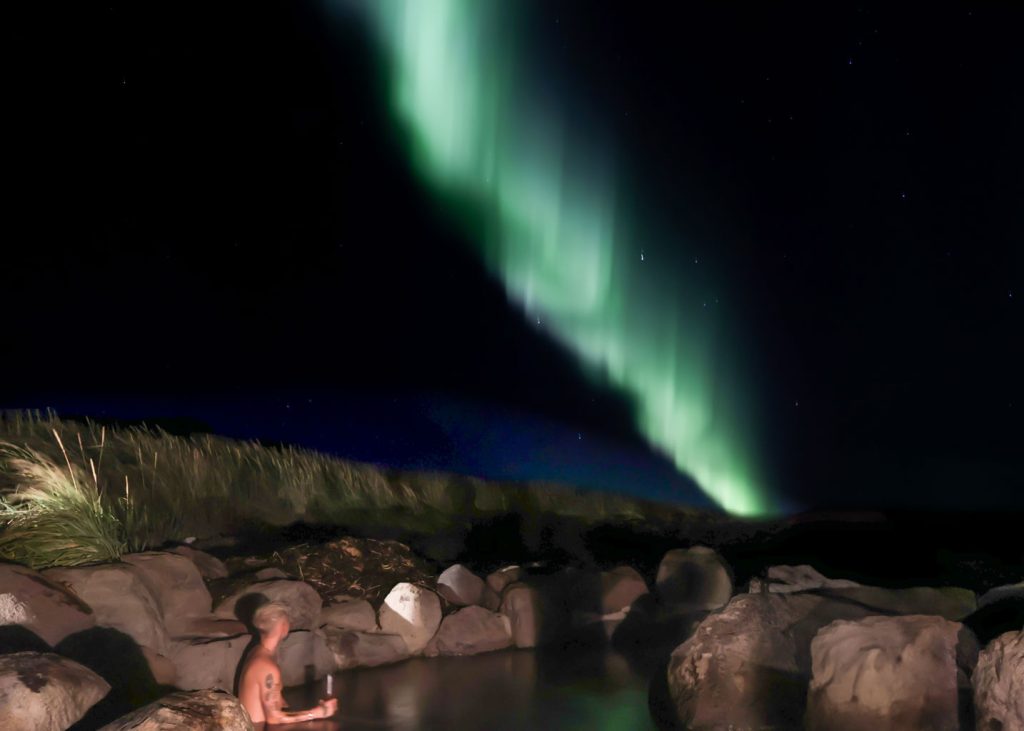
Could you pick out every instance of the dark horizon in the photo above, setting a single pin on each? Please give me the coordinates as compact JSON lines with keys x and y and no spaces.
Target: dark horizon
{"x":221,"y":218}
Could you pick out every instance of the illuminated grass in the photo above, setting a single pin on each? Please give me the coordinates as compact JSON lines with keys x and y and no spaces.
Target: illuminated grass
{"x":134,"y":488}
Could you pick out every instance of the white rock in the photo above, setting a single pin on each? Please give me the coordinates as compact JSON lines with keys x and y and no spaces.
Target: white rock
{"x":412,"y":612}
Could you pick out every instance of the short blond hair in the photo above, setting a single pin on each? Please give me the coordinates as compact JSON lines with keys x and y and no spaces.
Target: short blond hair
{"x":269,"y":615}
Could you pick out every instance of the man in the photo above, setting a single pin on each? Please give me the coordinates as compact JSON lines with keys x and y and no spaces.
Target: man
{"x":259,"y":689}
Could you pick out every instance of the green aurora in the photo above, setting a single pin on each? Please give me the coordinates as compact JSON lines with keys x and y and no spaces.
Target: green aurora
{"x":544,"y":216}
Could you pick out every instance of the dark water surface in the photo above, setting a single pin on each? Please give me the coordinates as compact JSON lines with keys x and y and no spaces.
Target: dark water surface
{"x":512,"y":690}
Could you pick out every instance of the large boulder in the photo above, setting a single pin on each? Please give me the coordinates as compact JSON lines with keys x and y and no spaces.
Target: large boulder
{"x":694,"y":578}
{"x":461,"y":586}
{"x":998,"y":681}
{"x":953,"y":603}
{"x":620,"y":587}
{"x":1001,"y":593}
{"x":787,"y":579}
{"x":525,"y":609}
{"x":304,"y":657}
{"x":350,"y":613}
{"x":201,"y":710}
{"x":748,"y":664}
{"x":45,"y":692}
{"x":352,"y":649}
{"x":471,"y":631}
{"x":209,"y":626}
{"x":209,"y":566}
{"x":950,"y":602}
{"x":301,"y":599}
{"x":176,"y":584}
{"x":42,"y":606}
{"x":208,"y":663}
{"x":888,"y":674}
{"x":412,"y":612}
{"x":498,"y":580}
{"x":119,"y":599}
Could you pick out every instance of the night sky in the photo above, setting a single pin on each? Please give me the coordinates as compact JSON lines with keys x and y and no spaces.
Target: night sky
{"x":221,"y":217}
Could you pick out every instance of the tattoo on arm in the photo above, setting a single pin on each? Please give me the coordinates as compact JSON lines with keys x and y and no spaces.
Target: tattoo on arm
{"x":273,"y":704}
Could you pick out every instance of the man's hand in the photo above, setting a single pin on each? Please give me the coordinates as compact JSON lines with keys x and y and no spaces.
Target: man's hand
{"x":329,"y":706}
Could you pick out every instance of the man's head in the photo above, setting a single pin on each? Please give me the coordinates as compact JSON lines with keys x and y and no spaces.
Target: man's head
{"x":271,"y":619}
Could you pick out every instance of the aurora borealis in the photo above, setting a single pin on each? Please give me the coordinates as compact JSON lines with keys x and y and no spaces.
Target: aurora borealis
{"x":543,"y":204}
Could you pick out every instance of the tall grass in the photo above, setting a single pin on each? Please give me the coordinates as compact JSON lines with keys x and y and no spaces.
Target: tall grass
{"x":133,"y":488}
{"x":55,"y":516}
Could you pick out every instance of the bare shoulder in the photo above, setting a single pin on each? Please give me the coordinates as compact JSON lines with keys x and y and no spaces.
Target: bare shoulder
{"x":258,"y":667}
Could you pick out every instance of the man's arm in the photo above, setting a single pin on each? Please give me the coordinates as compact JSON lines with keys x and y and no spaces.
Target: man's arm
{"x":273,"y":703}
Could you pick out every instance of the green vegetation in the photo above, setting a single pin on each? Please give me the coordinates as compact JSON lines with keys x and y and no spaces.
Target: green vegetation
{"x":75,"y":492}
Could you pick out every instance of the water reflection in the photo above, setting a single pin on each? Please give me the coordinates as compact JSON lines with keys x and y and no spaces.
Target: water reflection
{"x":503,"y":691}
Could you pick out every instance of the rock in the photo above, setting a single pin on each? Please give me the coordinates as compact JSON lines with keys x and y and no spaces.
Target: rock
{"x":998,"y":681}
{"x":953,"y":603}
{"x":501,"y":578}
{"x":353,"y":649}
{"x":350,"y":613}
{"x":46,"y":608}
{"x":209,"y":626}
{"x":620,"y":587}
{"x":950,"y":602}
{"x":175,"y":583}
{"x":461,"y":586}
{"x":524,"y":608}
{"x":201,"y":710}
{"x":748,"y":664}
{"x":695,"y":578}
{"x":300,"y":598}
{"x":886,"y":674}
{"x":787,"y":579}
{"x":412,"y":612}
{"x":209,"y":566}
{"x":162,"y":668}
{"x":998,"y":616}
{"x":304,"y":657}
{"x":271,"y":572}
{"x":491,"y":601}
{"x":1001,"y":593}
{"x":208,"y":663}
{"x":471,"y":631}
{"x":119,"y":599}
{"x":45,"y":692}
